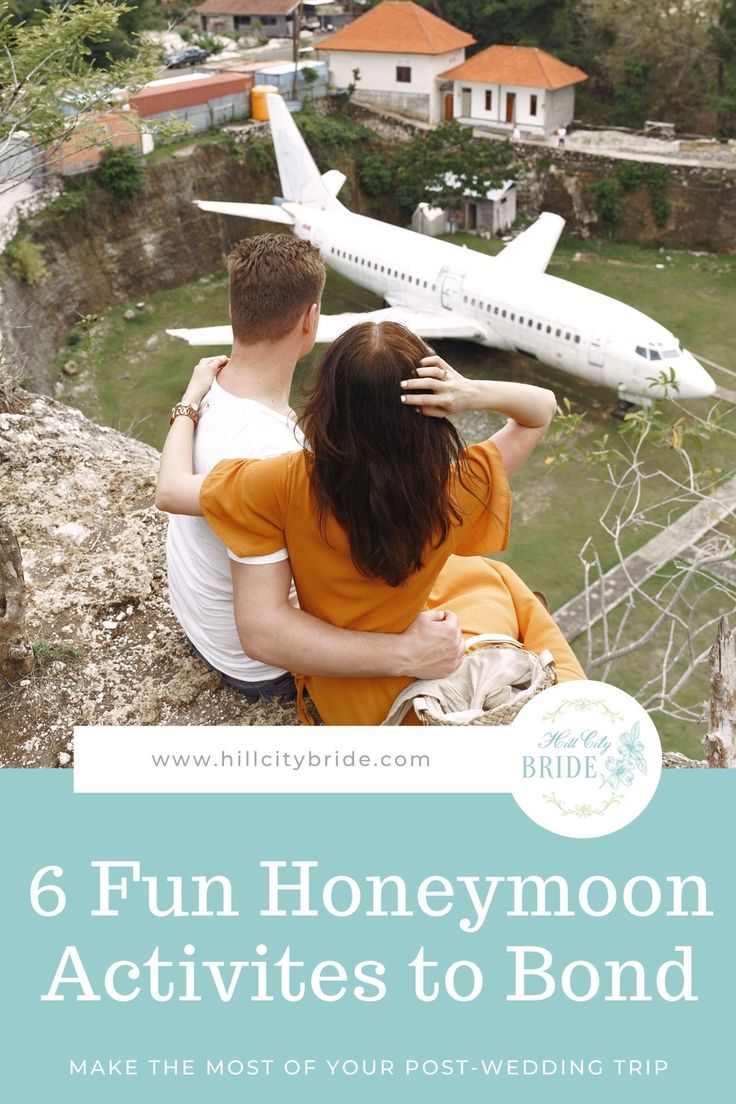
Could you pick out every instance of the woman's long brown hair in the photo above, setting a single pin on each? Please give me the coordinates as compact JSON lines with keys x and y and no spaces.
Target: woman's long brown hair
{"x":380,"y":467}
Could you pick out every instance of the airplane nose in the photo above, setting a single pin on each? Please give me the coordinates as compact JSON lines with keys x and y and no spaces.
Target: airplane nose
{"x":694,"y":382}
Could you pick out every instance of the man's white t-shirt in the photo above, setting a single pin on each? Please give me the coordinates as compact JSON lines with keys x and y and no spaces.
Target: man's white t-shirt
{"x":200,"y":584}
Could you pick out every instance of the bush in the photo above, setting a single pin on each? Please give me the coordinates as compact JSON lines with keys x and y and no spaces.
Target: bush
{"x":374,"y":174}
{"x":655,"y":179}
{"x":25,"y":261}
{"x":73,"y":198}
{"x":629,"y":175}
{"x":121,"y":172}
{"x":606,"y":196}
{"x":207,"y":42}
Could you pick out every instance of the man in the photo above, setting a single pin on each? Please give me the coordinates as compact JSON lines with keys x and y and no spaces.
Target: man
{"x":276,"y":284}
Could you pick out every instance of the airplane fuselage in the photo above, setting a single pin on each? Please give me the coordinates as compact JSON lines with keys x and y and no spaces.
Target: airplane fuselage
{"x":563,"y":325}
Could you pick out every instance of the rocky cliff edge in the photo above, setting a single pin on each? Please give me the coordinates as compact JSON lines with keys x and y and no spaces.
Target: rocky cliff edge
{"x":107,"y":649}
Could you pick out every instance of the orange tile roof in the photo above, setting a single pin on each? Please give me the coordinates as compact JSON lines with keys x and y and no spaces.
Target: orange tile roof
{"x":398,"y":27}
{"x":524,"y":65}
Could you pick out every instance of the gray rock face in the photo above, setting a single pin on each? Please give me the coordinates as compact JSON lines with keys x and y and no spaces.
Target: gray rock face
{"x":79,"y":497}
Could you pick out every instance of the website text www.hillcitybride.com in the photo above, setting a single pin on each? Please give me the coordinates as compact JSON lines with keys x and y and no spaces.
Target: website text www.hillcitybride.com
{"x":258,"y":759}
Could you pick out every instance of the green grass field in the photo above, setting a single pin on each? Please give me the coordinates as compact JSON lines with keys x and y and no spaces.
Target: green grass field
{"x":131,"y":373}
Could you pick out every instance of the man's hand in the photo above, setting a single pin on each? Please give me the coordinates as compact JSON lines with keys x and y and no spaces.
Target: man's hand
{"x":434,"y":645}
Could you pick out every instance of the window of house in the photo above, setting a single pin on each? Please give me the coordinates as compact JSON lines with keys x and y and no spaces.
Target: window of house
{"x":403,"y":74}
{"x":532,"y":105}
{"x":489,"y":99}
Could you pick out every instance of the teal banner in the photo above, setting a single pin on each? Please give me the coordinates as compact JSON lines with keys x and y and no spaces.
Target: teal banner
{"x":228,"y":947}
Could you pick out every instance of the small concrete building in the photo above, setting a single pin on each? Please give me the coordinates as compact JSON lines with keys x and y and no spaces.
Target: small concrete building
{"x":400,"y":49}
{"x":505,"y":87}
{"x":491,"y":214}
{"x":270,"y":18}
{"x":203,"y":100}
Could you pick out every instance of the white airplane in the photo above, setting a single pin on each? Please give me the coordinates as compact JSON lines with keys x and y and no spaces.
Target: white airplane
{"x":440,"y":290}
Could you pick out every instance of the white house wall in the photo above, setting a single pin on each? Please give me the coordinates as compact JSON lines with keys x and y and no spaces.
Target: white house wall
{"x":560,"y":108}
{"x":554,"y":108}
{"x":420,"y":98}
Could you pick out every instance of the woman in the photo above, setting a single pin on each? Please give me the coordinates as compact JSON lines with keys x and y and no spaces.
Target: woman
{"x":383,"y":495}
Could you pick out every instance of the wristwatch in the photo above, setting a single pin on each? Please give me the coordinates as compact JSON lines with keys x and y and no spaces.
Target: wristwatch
{"x":190,"y":410}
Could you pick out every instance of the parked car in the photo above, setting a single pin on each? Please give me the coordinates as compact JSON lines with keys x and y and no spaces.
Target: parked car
{"x":189,"y":55}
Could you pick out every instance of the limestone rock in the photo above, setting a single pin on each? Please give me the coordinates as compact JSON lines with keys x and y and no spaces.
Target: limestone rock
{"x":80,"y":499}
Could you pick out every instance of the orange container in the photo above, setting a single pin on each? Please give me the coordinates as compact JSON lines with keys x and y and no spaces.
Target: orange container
{"x":258,"y":102}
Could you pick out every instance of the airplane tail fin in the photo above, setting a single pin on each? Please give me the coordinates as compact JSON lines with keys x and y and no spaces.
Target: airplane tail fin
{"x":301,"y":181}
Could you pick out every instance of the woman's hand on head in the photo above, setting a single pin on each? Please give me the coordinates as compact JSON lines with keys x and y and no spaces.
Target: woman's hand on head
{"x":204,"y":373}
{"x":447,"y":391}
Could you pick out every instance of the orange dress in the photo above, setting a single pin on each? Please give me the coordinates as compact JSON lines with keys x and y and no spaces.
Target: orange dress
{"x":261,"y":507}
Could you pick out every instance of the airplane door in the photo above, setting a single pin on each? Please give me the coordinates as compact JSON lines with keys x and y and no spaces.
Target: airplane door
{"x":450,"y":290}
{"x":596,"y":350}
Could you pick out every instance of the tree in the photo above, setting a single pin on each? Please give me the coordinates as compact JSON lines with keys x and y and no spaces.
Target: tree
{"x":444,"y":164}
{"x":121,"y":41}
{"x":723,"y":36}
{"x":670,"y":600}
{"x":529,"y":22}
{"x":49,"y":79}
{"x":650,"y":59}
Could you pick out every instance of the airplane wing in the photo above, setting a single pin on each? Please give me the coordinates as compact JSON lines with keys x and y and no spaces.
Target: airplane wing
{"x":207,"y":335}
{"x":423,"y":323}
{"x":268,"y":212}
{"x":532,"y":249}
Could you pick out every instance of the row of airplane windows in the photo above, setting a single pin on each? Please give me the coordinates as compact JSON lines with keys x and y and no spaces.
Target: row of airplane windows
{"x":488,"y":307}
{"x":511,"y":315}
{"x":388,"y":271}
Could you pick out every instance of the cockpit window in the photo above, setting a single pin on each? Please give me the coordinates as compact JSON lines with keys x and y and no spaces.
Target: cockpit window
{"x":657,"y":352}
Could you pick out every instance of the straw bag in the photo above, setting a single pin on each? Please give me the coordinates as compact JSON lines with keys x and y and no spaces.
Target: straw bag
{"x":496,"y":678}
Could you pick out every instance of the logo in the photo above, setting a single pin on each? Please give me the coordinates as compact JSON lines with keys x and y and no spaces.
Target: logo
{"x":585,"y":759}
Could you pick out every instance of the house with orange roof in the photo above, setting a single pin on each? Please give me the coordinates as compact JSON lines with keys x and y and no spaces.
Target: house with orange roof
{"x":508,"y":87}
{"x":399,"y":49}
